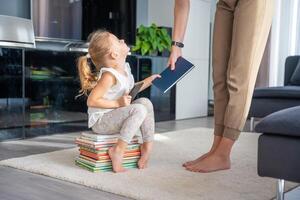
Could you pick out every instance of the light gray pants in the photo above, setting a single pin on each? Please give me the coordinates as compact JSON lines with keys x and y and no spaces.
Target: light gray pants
{"x":127,"y":121}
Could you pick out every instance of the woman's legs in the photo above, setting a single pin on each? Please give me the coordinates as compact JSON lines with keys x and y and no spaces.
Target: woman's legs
{"x":222,"y":37}
{"x":251,"y":25}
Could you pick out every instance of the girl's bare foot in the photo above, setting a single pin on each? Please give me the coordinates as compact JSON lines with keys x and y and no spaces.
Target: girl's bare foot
{"x":146,"y":148}
{"x":211,"y":163}
{"x":116,"y":156}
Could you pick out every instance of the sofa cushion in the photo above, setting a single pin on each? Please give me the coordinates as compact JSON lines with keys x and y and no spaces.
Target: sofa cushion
{"x":290,"y":91}
{"x":283,"y":122}
{"x":295,"y":78}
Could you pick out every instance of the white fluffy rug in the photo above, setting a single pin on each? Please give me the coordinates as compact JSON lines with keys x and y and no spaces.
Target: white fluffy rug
{"x":165,"y":178}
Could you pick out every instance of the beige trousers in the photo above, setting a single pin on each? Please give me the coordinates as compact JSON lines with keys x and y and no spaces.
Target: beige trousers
{"x":241,"y":30}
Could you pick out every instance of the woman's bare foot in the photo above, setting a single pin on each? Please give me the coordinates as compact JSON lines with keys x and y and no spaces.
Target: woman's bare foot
{"x":211,"y":163}
{"x":116,"y":156}
{"x":215,"y":144}
{"x":196,"y":160}
{"x":146,"y":148}
{"x":218,"y":160}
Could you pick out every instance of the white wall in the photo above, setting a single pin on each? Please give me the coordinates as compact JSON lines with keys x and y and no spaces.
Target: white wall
{"x":192,"y":91}
{"x":212,"y":19}
{"x":141,"y":12}
{"x":161,"y":12}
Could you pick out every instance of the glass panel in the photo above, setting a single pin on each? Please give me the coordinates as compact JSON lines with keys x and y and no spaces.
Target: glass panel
{"x":51,"y":85}
{"x":144,"y":66}
{"x":15,"y":8}
{"x":164,"y":103}
{"x":57,"y":18}
{"x":117,"y":16}
{"x":11,"y":102}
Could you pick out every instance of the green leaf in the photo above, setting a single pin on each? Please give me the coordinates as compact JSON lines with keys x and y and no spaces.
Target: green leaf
{"x":136,"y":48}
{"x":164,"y":32}
{"x":146,"y":46}
{"x":153,"y":25}
{"x":164,"y":45}
{"x":154,"y":45}
{"x":143,"y":51}
{"x":152,"y":33}
{"x":151,"y":39}
{"x":141,"y":29}
{"x":160,"y":48}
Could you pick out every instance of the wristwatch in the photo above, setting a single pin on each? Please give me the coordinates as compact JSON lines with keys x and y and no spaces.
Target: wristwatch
{"x":178,"y":44}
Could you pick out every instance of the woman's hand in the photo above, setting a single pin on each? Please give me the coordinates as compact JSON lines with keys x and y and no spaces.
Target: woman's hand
{"x":175,"y":53}
{"x":124,"y":100}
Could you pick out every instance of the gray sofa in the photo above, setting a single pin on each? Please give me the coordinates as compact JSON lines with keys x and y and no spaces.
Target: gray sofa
{"x":271,"y":99}
{"x":279,"y":147}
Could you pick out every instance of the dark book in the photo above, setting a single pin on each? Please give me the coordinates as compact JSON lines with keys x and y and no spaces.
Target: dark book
{"x":170,"y":77}
{"x":135,"y":90}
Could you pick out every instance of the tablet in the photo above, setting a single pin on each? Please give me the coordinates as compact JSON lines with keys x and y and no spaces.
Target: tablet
{"x":170,"y":77}
{"x":135,"y":90}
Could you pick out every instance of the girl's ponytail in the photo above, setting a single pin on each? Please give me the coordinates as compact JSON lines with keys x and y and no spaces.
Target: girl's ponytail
{"x":87,"y":78}
{"x":89,"y":65}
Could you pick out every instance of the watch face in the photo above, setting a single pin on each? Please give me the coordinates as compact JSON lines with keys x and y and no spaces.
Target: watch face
{"x":178,"y":44}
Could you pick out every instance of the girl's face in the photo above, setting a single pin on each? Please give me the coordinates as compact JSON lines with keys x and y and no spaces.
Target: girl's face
{"x":119,"y":47}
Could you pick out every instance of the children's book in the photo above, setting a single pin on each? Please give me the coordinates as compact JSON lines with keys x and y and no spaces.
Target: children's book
{"x":102,"y":169}
{"x":103,"y":157}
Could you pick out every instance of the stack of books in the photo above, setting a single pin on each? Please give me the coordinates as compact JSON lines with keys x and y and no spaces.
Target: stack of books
{"x":94,"y":152}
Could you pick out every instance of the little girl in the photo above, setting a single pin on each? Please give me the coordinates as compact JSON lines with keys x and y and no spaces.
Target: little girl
{"x":106,"y":78}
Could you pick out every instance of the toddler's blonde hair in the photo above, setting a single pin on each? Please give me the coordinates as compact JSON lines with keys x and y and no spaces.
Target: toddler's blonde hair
{"x":99,"y":48}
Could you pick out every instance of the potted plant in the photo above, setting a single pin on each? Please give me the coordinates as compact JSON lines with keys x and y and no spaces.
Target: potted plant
{"x":152,"y":40}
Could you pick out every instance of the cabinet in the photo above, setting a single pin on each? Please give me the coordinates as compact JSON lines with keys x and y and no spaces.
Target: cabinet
{"x":50,"y":83}
{"x":11,"y":101}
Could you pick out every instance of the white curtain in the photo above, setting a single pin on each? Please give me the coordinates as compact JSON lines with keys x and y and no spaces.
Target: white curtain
{"x":285,"y":40}
{"x":298,"y":29}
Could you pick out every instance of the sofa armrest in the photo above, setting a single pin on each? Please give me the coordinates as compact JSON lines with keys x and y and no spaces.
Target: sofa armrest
{"x":284,"y":122}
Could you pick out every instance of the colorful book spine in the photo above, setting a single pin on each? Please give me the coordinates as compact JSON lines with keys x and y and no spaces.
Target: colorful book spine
{"x":93,"y":152}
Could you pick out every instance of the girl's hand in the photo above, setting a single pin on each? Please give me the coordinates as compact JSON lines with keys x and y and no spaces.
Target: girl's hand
{"x":124,"y":100}
{"x":175,"y":53}
{"x":148,"y":81}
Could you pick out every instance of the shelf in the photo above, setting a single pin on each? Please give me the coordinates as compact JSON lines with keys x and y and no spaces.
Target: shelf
{"x":40,"y":107}
{"x":49,"y":78}
{"x":52,"y":117}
